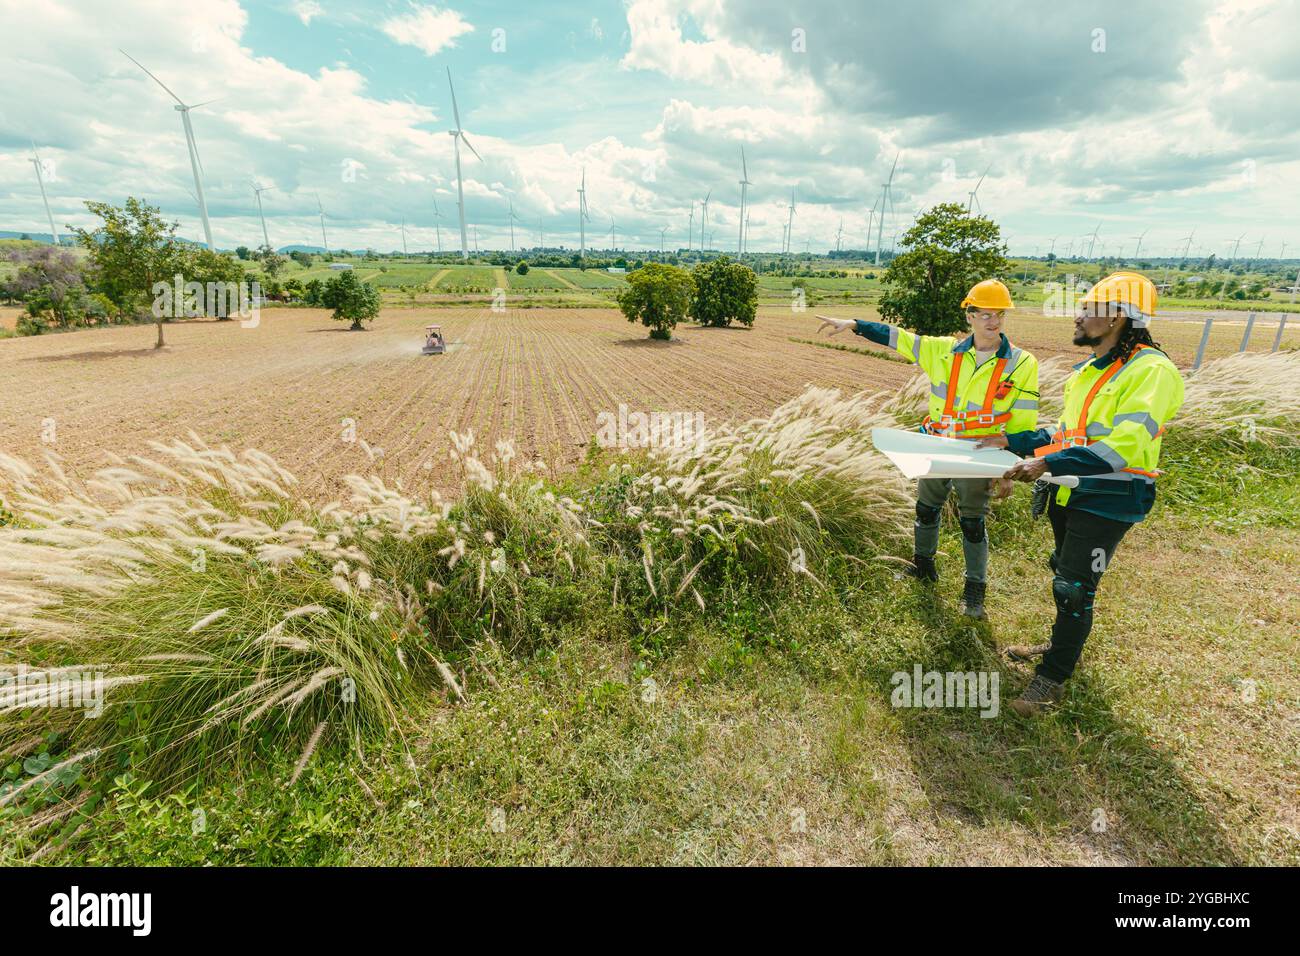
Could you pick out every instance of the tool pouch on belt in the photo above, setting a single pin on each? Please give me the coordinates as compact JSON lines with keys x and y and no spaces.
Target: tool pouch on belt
{"x":1041,"y":494}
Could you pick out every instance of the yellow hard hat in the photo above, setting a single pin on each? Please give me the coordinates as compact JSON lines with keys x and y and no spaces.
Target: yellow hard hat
{"x":1133,"y":292}
{"x":989,"y":294}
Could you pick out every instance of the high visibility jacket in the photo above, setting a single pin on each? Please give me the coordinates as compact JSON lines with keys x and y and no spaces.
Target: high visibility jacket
{"x":1116,"y":409}
{"x":967,"y":399}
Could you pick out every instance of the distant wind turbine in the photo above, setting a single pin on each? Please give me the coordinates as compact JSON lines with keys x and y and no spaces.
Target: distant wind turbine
{"x":437,"y":226}
{"x":40,"y":179}
{"x":257,"y":191}
{"x":513,"y":217}
{"x":704,"y":220}
{"x":196,"y":165}
{"x":744,"y":185}
{"x":690,"y":227}
{"x":404,"y":252}
{"x":1138,"y":251}
{"x":583,"y":216}
{"x":839,"y":235}
{"x":886,"y":204}
{"x":789,"y":225}
{"x":320,"y":209}
{"x":458,"y":137}
{"x":972,"y":197}
{"x":661,"y":239}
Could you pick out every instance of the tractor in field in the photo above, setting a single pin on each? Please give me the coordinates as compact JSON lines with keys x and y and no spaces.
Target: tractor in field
{"x":434,"y":343}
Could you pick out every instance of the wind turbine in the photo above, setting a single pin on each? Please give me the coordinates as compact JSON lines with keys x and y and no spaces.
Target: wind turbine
{"x":661,"y":239}
{"x":612,"y":246}
{"x":1236,"y":245}
{"x":690,"y":227}
{"x":744,"y":185}
{"x":437,"y":226}
{"x":972,"y":197}
{"x":871,"y":220}
{"x":1138,"y":251}
{"x":323,"y":241}
{"x":40,"y":179}
{"x":458,"y":137}
{"x":196,"y":165}
{"x":582,"y":215}
{"x":404,"y":252}
{"x":513,"y":217}
{"x":789,"y":225}
{"x":257,"y":191}
{"x":839,"y":234}
{"x":704,"y":219}
{"x":1093,"y":242}
{"x":886,"y":203}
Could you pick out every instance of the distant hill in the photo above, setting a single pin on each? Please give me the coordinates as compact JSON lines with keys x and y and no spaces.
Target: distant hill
{"x":315,"y":250}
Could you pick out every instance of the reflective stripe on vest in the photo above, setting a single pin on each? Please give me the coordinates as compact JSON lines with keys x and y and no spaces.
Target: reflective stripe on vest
{"x":949,"y":423}
{"x":1078,"y":436}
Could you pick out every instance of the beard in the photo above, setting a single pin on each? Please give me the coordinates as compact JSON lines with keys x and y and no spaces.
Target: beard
{"x":1083,"y":338}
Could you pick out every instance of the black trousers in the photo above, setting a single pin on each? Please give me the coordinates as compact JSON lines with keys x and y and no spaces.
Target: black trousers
{"x":1085,"y":544}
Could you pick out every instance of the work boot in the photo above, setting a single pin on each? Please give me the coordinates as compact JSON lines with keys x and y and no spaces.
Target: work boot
{"x":1027,"y":652}
{"x":922,"y":568}
{"x":972,"y":601}
{"x":1039,"y":697}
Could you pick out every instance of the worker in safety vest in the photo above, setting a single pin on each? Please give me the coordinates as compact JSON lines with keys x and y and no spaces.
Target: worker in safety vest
{"x":1117,"y":405}
{"x":981,"y":385}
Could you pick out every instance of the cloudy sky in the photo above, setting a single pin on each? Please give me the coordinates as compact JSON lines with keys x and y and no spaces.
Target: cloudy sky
{"x":1162,"y":116}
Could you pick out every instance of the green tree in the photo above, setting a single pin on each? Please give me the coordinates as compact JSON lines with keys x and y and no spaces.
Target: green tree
{"x":351,"y":299}
{"x":945,"y":253}
{"x":242,"y":252}
{"x":522,"y":268}
{"x":272,"y":261}
{"x":657,"y":297}
{"x":132,"y":250}
{"x":724,"y":292}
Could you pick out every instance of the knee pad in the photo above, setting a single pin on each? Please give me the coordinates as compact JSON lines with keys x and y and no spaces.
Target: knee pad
{"x":972,"y":529}
{"x":926,"y":516}
{"x":1072,"y":597}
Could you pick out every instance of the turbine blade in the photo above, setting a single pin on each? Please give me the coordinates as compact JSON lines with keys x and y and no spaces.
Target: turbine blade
{"x":151,"y":76}
{"x":455,"y":111}
{"x":471,"y":148}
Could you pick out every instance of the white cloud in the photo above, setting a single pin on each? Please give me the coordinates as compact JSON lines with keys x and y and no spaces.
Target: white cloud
{"x":306,"y":10}
{"x":427,"y":28}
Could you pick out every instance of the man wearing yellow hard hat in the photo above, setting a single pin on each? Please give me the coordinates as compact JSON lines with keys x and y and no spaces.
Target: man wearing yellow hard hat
{"x":1116,"y":407}
{"x":979,"y":386}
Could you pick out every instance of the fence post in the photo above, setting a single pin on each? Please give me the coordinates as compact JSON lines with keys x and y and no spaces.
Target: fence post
{"x":1205,"y":338}
{"x":1245,"y":338}
{"x":1277,"y":339}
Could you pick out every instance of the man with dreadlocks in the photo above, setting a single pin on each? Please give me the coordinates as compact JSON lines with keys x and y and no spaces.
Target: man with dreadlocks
{"x":1116,"y":407}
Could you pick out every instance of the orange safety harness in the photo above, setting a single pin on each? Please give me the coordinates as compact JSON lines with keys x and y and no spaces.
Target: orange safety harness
{"x":949,"y":423}
{"x":1070,"y":437}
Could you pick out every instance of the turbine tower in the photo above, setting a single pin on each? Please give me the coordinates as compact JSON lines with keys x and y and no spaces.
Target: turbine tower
{"x":789,"y":226}
{"x":612,"y":246}
{"x":690,"y":227}
{"x":458,"y":137}
{"x":744,"y":185}
{"x":582,"y":215}
{"x":196,"y":164}
{"x":257,"y":191}
{"x":661,"y":239}
{"x":40,"y":179}
{"x":886,"y":204}
{"x":704,"y":220}
{"x":972,"y":197}
{"x":1236,"y":245}
{"x":1138,"y":251}
{"x":1093,"y":242}
{"x":839,"y":235}
{"x":321,"y":210}
{"x":513,"y":218}
{"x":404,"y":252}
{"x":437,"y":226}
